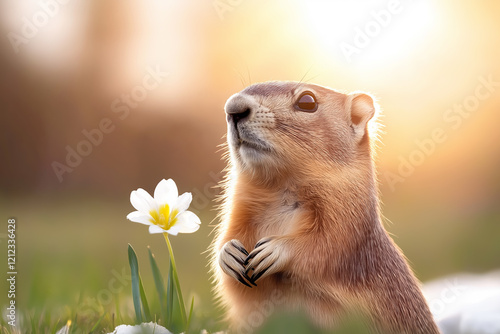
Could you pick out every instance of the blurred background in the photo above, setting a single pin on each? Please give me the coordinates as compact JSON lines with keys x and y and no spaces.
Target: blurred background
{"x":99,"y":98}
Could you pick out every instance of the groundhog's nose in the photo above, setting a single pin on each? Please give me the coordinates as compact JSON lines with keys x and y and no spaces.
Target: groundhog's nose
{"x":237,"y":108}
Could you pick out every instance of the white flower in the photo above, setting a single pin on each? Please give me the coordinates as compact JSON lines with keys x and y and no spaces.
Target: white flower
{"x":65,"y":329}
{"x":144,"y":328}
{"x":166,"y":212}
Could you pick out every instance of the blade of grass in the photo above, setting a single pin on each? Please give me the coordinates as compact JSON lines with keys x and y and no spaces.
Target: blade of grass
{"x":170,"y":295}
{"x":136,"y":294}
{"x":190,"y":314}
{"x":97,"y":323}
{"x":160,"y":288}
{"x":47,"y":319}
{"x":117,"y":309}
{"x":176,"y":280}
{"x":145,"y":305}
{"x":54,"y":328}
{"x":72,"y":324}
{"x":32,"y":321}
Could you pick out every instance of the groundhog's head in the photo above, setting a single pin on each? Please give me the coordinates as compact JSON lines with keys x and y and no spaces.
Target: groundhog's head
{"x":274,"y":126}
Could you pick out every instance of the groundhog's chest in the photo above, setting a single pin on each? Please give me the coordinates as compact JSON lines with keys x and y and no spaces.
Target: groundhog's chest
{"x":278,"y":217}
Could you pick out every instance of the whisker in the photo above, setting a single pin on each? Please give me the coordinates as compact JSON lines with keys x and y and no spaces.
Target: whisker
{"x":314,"y":77}
{"x":242,"y":79}
{"x":249,"y":77}
{"x":302,"y":79}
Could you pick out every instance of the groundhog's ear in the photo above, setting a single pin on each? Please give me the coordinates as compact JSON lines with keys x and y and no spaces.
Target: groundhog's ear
{"x":361,"y":108}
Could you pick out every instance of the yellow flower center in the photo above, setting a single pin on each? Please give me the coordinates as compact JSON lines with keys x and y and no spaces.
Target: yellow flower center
{"x":163,"y":217}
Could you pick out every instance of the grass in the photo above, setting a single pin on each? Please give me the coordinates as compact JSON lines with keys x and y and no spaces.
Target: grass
{"x":72,"y":262}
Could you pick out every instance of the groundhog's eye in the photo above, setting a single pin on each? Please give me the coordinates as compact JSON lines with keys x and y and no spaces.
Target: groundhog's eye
{"x":306,"y":102}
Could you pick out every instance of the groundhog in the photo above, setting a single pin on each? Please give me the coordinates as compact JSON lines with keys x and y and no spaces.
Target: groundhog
{"x":300,"y":219}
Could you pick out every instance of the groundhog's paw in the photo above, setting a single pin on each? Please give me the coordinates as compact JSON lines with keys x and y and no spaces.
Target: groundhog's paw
{"x":269,"y":257}
{"x":232,"y":261}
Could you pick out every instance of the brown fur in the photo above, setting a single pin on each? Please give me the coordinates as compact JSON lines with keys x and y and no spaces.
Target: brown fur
{"x":315,"y":193}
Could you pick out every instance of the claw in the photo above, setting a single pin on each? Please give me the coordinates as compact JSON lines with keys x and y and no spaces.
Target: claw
{"x":249,"y":280}
{"x":256,"y":277}
{"x":253,"y":254}
{"x":257,"y":264}
{"x":261,"y":242}
{"x":239,"y":247}
{"x":239,"y":276}
{"x":256,"y":251}
{"x":237,"y":259}
{"x":242,"y":281}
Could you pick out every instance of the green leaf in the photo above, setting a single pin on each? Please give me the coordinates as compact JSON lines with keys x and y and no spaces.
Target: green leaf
{"x":134,"y":272}
{"x":159,"y":283}
{"x":176,"y":281}
{"x":170,"y":295}
{"x":145,"y":305}
{"x":190,"y":314}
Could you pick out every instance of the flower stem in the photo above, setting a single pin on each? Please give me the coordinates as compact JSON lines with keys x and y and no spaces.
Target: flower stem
{"x":176,"y":280}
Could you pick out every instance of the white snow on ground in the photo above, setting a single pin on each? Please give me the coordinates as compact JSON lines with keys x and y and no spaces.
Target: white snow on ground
{"x":466,"y":303}
{"x":144,"y":328}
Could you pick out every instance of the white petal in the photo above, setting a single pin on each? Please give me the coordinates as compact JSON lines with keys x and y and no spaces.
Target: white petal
{"x":187,"y":222}
{"x":139,"y":217}
{"x":156,"y":229}
{"x":166,"y":192}
{"x":148,"y":198}
{"x":64,"y":330}
{"x":183,"y":202}
{"x":141,"y":200}
{"x":174,"y":230}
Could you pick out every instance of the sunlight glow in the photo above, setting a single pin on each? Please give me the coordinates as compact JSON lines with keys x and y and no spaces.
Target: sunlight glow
{"x":383,"y":31}
{"x":42,"y":31}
